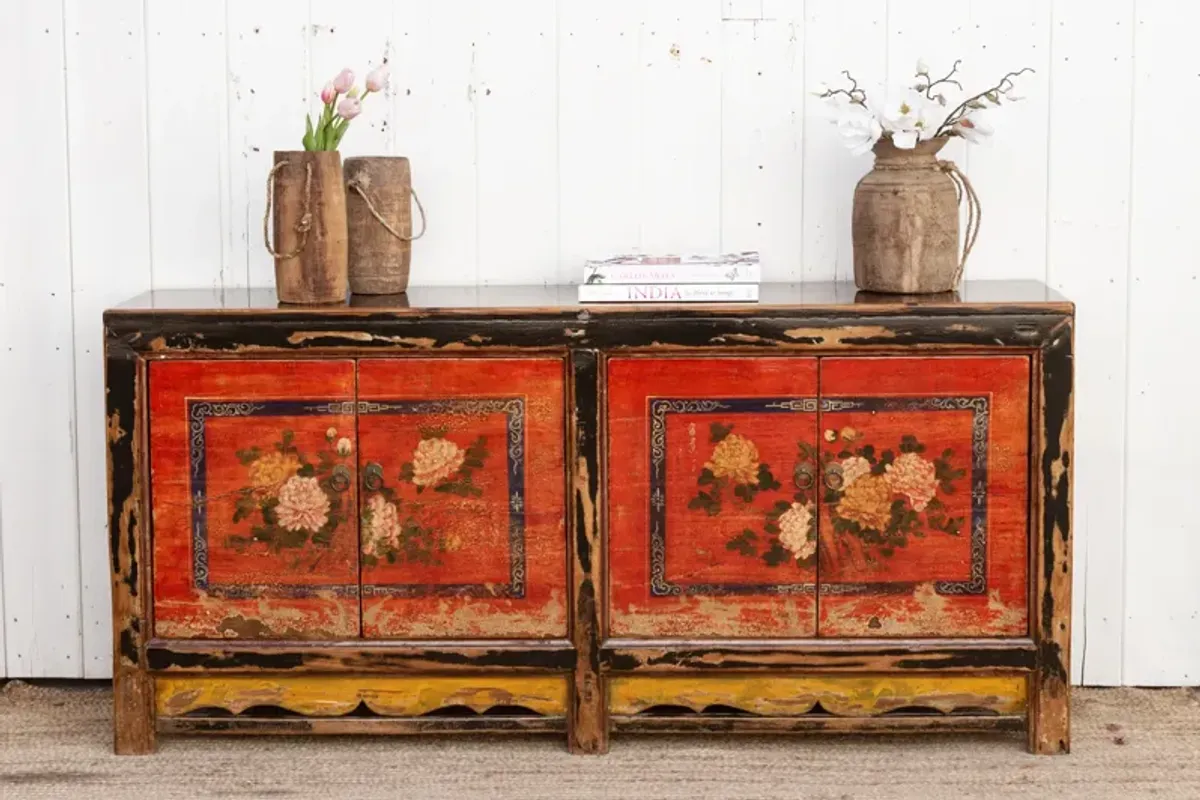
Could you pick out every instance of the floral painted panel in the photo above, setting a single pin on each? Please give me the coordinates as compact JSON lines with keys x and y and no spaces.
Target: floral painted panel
{"x":463,"y":520}
{"x":712,"y":493}
{"x":253,"y":497}
{"x":924,"y":510}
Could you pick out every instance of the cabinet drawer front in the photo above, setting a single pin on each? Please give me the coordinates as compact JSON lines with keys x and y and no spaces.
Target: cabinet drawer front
{"x":924,"y":518}
{"x":463,"y":529}
{"x":253,"y":499}
{"x":711,"y":479}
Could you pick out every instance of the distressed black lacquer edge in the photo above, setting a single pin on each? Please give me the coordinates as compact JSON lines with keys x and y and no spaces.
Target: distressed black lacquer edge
{"x":588,"y":730}
{"x":553,"y":656}
{"x":1015,"y":656}
{"x":125,"y":512}
{"x":198,"y":334}
{"x":1057,"y":385}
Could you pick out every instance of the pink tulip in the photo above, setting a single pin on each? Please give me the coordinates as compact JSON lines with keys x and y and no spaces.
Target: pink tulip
{"x":328,"y":94}
{"x":343,"y":81}
{"x":349,"y":108}
{"x":377,"y":79}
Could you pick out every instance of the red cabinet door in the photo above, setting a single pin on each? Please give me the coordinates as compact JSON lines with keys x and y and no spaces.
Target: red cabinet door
{"x":463,"y":529}
{"x":253,"y":499}
{"x":925,"y":507}
{"x":711,"y":476}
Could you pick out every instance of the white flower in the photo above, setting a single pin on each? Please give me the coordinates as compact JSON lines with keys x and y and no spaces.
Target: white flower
{"x":794,"y":525}
{"x":922,"y":67}
{"x":915,"y":477}
{"x":381,"y":525}
{"x":331,"y":434}
{"x":820,"y":90}
{"x":854,"y":468}
{"x":435,"y":460}
{"x":909,"y":119}
{"x":858,"y":127}
{"x":974,"y":127}
{"x":344,"y":448}
{"x":302,"y":505}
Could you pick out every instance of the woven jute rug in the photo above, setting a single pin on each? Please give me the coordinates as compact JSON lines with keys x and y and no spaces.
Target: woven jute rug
{"x":1128,"y":743}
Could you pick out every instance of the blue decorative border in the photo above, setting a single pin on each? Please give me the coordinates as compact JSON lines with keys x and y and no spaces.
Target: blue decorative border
{"x":660,"y":408}
{"x":514,"y":409}
{"x":199,"y":412}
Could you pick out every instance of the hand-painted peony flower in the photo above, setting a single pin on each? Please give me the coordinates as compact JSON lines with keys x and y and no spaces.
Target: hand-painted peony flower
{"x":349,"y":108}
{"x":344,"y":447}
{"x":331,"y":434}
{"x":377,"y":79}
{"x":343,"y":81}
{"x":303,"y":505}
{"x":854,"y":468}
{"x":381,"y":525}
{"x":914,"y":477}
{"x":272,"y":469}
{"x":735,"y":458}
{"x":868,"y":502}
{"x":435,"y":460}
{"x":794,"y":527}
{"x":328,"y":93}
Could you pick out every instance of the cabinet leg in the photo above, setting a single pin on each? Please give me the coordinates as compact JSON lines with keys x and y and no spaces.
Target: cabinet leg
{"x":133,"y":713}
{"x":587,"y":723}
{"x":1049,"y":716}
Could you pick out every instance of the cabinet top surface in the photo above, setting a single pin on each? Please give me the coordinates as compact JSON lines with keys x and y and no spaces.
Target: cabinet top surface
{"x":979,"y":296}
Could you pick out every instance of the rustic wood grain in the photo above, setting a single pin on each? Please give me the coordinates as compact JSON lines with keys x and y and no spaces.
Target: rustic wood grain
{"x":1049,"y":716}
{"x":588,"y":731}
{"x":379,"y":260}
{"x":791,"y":694}
{"x":133,"y":688}
{"x":338,"y":695}
{"x":336,"y":726}
{"x":816,"y":724}
{"x":317,"y":273}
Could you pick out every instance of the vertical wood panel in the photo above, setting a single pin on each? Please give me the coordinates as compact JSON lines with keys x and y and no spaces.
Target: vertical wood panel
{"x":187,"y":133}
{"x":680,"y":188}
{"x":110,"y":243}
{"x":762,"y":155}
{"x":837,"y":36}
{"x":1162,"y":604}
{"x":1087,"y":259}
{"x":1009,"y":172}
{"x":269,"y":91}
{"x":434,"y":125}
{"x":517,"y":97}
{"x":599,"y":132}
{"x":39,"y":572}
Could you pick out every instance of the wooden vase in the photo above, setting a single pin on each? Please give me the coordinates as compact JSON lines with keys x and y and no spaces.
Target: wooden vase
{"x":310,"y":227}
{"x":906,"y":225}
{"x":379,"y":201}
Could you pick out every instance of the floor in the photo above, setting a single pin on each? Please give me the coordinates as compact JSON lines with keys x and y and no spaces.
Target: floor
{"x":1128,"y":743}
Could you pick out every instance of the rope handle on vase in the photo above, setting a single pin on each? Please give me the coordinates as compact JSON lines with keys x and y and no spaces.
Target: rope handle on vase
{"x":360,"y":186}
{"x":305,"y":223}
{"x":963,"y":188}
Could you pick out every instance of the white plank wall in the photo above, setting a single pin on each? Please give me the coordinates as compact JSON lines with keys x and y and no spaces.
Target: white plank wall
{"x":543,"y":131}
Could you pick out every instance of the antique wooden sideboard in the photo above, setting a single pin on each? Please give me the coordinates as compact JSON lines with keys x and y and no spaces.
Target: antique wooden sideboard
{"x":496,"y":510}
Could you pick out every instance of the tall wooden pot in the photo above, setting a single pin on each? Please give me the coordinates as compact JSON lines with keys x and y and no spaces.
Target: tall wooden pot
{"x":905,"y":223}
{"x":310,"y":227}
{"x":379,"y":199}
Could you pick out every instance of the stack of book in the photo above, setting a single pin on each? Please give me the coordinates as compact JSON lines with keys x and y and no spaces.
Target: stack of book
{"x":730,"y":278}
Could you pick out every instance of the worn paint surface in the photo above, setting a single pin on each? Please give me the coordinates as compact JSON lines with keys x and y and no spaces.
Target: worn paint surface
{"x":253,"y":492}
{"x":463,"y":528}
{"x":332,"y":696}
{"x":788,"y":695}
{"x":702,"y":455}
{"x":927,"y":531}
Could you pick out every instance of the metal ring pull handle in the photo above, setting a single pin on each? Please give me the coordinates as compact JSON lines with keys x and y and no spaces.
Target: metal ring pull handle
{"x":340,"y":479}
{"x":373,"y":477}
{"x":834,"y":479}
{"x":803,"y":476}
